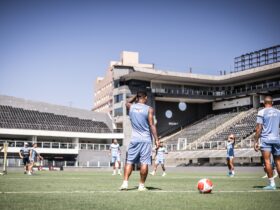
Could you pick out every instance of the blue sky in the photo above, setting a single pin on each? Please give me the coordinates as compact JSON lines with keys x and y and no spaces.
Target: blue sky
{"x":52,"y":51}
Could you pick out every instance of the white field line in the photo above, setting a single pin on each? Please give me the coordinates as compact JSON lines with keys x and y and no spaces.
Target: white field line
{"x":135,"y":191}
{"x":167,"y":177}
{"x":43,"y":178}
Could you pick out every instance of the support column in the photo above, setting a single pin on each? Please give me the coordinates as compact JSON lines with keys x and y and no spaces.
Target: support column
{"x":75,"y":141}
{"x":256,"y":101}
{"x":34,"y":139}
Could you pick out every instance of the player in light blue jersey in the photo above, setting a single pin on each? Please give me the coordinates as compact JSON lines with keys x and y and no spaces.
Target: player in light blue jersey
{"x":160,"y":159}
{"x":34,"y":155}
{"x":230,"y":154}
{"x":115,"y":153}
{"x":140,"y":147}
{"x":267,"y":129}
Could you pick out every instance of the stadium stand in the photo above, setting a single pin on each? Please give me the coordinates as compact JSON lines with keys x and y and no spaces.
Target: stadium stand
{"x":242,"y":129}
{"x":11,"y":117}
{"x":200,"y":128}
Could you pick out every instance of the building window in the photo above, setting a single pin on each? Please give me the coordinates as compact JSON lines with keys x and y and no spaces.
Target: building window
{"x":118,"y":98}
{"x":119,"y":112}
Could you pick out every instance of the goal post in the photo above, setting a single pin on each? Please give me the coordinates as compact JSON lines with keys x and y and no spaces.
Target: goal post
{"x":5,"y":150}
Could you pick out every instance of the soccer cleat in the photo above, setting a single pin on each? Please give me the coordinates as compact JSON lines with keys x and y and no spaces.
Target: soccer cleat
{"x":120,"y":173}
{"x":270,"y":187}
{"x":25,"y":172}
{"x":142,"y":189}
{"x":113,"y":174}
{"x":123,"y":187}
{"x":265,"y":176}
{"x":163,"y":174}
{"x":153,"y":173}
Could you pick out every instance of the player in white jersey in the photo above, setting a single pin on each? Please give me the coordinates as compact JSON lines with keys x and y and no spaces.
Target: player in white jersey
{"x":140,"y":147}
{"x":115,"y":153}
{"x":267,"y":129}
{"x":160,"y":159}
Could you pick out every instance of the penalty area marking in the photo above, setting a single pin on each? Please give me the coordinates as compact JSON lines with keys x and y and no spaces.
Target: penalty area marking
{"x":135,"y":191}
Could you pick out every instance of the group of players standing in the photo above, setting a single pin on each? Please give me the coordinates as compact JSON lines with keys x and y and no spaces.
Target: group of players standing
{"x":267,"y":140}
{"x":29,"y":156}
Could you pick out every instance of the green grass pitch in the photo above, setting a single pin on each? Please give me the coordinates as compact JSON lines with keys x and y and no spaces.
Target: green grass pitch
{"x":99,"y":190}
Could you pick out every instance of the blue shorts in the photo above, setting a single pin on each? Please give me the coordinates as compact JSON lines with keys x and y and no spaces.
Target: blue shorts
{"x":139,"y":152}
{"x":25,"y":161}
{"x":159,"y":161}
{"x":230,"y":154}
{"x":116,"y":158}
{"x":274,"y":148}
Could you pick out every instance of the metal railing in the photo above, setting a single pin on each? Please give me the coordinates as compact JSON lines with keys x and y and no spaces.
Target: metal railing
{"x":209,"y":145}
{"x":59,"y":145}
{"x":56,"y":165}
{"x":213,"y":93}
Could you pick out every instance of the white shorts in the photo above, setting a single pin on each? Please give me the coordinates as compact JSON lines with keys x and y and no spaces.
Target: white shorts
{"x":115,"y":158}
{"x":159,"y":161}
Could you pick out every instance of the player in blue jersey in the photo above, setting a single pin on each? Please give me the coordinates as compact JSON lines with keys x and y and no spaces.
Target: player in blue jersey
{"x":24,"y":155}
{"x":160,"y":159}
{"x":140,"y":147}
{"x":267,"y":129}
{"x":230,"y":154}
{"x":33,"y":157}
{"x":115,"y":153}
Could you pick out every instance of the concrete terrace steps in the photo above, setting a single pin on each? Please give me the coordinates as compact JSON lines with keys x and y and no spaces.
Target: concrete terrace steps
{"x":225,"y":125}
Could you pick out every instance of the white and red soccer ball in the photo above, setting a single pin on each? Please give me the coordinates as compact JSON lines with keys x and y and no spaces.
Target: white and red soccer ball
{"x":205,"y":186}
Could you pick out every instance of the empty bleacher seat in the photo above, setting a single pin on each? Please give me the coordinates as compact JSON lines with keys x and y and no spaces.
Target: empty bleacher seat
{"x":11,"y":117}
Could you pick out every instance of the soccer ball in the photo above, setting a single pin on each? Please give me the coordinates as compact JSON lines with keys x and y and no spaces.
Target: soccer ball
{"x":205,"y":186}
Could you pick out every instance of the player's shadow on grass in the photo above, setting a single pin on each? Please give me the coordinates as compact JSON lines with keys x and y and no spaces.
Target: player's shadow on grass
{"x":133,"y":188}
{"x":258,"y":187}
{"x":261,"y":187}
{"x":148,"y":188}
{"x":153,"y":188}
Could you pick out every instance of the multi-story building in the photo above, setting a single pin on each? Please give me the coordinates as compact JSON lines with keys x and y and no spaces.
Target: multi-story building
{"x":181,"y":99}
{"x":103,"y":86}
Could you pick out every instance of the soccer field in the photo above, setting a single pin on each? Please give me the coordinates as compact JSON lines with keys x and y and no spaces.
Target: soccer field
{"x":99,"y":190}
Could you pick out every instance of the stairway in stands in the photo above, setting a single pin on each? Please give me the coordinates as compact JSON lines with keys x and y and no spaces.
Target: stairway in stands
{"x":197,"y":130}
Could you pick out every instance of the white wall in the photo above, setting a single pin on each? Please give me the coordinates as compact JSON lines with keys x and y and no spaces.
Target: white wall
{"x":231,"y":103}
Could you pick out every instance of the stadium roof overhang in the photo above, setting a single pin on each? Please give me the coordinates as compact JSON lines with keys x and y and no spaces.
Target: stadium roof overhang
{"x":254,"y":74}
{"x":27,"y":132}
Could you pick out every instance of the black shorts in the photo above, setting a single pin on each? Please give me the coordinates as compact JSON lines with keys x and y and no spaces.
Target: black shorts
{"x":25,"y":161}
